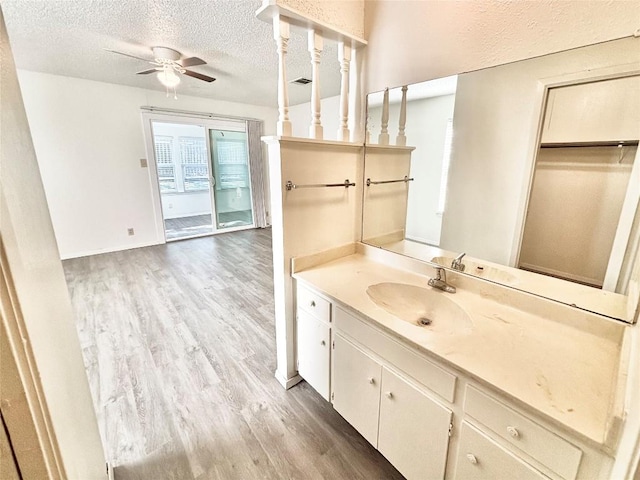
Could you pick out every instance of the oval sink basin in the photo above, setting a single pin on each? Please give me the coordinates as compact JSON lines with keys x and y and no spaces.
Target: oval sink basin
{"x":478,"y":270}
{"x":422,"y":307}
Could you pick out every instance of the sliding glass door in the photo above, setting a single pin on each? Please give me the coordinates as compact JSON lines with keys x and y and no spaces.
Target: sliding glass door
{"x":184,"y":178}
{"x":232,"y":189}
{"x":203,"y":176}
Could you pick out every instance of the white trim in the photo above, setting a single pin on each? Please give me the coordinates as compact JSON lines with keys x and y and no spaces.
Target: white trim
{"x":287,"y":383}
{"x":189,"y":114}
{"x":100,"y":251}
{"x":624,"y":229}
{"x":156,"y":202}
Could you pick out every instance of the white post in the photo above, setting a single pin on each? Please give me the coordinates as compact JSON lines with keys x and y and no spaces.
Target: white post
{"x":383,"y":138}
{"x":315,"y":49}
{"x":401,"y":139}
{"x":281,"y":36}
{"x":344,"y":57}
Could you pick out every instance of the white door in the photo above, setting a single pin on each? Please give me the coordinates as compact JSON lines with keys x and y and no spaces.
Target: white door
{"x":414,"y":429}
{"x":313,"y":352}
{"x":356,"y":388}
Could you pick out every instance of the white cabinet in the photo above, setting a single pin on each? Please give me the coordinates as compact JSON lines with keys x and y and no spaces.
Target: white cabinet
{"x":314,"y":340}
{"x":356,"y":388}
{"x":409,"y":428}
{"x":516,"y":430}
{"x":414,"y":430}
{"x":398,"y":399}
{"x":480,"y":458}
{"x":593,"y":112}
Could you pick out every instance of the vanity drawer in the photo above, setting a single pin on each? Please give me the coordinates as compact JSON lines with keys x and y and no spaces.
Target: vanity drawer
{"x":544,"y":446}
{"x":428,"y":374}
{"x":312,"y":303}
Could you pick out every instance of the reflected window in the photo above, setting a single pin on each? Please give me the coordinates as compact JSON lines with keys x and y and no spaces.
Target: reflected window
{"x":446,"y":160}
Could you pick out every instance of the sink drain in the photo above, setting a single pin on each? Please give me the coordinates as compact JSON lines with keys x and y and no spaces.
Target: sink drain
{"x":424,"y":321}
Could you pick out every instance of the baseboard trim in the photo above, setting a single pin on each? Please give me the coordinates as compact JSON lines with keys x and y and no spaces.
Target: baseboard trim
{"x":287,"y":383}
{"x":110,"y":250}
{"x":110,"y":473}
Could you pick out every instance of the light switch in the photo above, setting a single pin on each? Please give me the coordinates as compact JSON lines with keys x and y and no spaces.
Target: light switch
{"x":143,"y":162}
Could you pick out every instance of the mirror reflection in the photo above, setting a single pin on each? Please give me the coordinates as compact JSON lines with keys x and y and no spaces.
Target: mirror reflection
{"x":523,"y":174}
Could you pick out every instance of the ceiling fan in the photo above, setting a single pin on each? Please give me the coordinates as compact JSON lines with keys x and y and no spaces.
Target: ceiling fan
{"x":169,"y":65}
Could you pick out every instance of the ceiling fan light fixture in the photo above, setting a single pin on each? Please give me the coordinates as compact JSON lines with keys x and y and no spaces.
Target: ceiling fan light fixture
{"x":168,"y":78}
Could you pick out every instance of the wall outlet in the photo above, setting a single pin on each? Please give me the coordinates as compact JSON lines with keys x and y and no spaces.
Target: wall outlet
{"x":143,"y":162}
{"x":130,"y":231}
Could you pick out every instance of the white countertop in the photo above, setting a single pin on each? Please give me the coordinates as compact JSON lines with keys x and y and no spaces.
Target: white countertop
{"x":568,"y":373}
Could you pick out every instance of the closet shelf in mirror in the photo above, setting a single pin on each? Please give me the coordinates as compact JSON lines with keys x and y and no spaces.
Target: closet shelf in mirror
{"x":621,"y":143}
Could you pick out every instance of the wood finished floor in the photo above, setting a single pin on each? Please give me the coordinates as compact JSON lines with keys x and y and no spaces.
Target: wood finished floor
{"x":179,"y":346}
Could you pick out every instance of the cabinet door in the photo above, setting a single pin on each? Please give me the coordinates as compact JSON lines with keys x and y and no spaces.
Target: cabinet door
{"x":314,"y":352}
{"x":356,"y":388}
{"x":414,"y":430}
{"x":480,"y":458}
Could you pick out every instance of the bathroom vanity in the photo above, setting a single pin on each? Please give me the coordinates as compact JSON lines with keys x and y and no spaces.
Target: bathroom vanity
{"x":517,"y":374}
{"x":498,"y":383}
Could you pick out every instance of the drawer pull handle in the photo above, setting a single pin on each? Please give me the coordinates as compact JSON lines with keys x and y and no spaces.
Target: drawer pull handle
{"x":513,"y":432}
{"x":313,"y":303}
{"x":372,"y":380}
{"x":323,"y":343}
{"x":472,"y":458}
{"x":389,"y":394}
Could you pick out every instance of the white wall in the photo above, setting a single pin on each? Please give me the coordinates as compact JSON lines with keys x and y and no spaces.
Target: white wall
{"x":300,"y":116}
{"x":425,"y":130}
{"x":344,"y":16}
{"x":89,"y":141}
{"x":41,"y":296}
{"x":413,"y":41}
{"x":496,"y":115}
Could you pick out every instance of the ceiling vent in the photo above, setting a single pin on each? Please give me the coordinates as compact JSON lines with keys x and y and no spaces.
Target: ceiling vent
{"x":301,"y":81}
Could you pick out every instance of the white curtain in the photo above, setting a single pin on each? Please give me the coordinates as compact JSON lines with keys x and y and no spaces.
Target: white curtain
{"x":256,"y":163}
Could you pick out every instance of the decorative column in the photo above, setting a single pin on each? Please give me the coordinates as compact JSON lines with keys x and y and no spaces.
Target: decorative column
{"x":281,"y":36}
{"x":344,"y":58}
{"x":315,"y":49}
{"x":383,"y":138}
{"x":401,"y":139}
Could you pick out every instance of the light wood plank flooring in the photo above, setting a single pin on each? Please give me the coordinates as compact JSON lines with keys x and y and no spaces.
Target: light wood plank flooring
{"x":179,"y":347}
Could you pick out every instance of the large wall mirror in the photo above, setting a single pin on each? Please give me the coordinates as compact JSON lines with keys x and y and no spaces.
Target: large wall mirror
{"x":529,"y":169}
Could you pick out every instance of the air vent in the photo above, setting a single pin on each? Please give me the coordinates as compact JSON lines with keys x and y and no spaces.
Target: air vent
{"x":301,"y":81}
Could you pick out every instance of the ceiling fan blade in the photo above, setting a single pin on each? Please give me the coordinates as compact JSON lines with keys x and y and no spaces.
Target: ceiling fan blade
{"x":147,"y":72}
{"x":127,"y":55}
{"x":199,"y":76}
{"x":191,"y":62}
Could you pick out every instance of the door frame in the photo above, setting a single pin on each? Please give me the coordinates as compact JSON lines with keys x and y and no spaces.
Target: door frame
{"x":543,"y":87}
{"x":217,"y":123}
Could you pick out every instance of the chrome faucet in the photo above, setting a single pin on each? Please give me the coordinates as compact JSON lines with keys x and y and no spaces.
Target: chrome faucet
{"x":457,"y":264}
{"x":440,"y":282}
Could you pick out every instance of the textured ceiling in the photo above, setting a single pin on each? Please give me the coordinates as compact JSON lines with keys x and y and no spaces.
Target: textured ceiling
{"x":68,"y":37}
